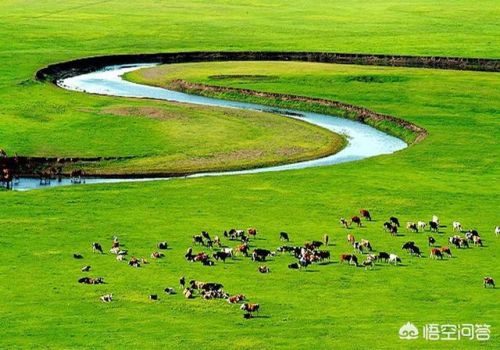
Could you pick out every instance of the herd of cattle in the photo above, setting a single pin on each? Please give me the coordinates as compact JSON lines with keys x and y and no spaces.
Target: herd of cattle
{"x":305,"y":255}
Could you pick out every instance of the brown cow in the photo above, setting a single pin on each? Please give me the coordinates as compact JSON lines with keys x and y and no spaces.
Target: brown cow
{"x":488,"y":281}
{"x":436,"y":253}
{"x":366,"y":214}
{"x":250,"y":307}
{"x":356,"y":220}
{"x":252,"y":232}
{"x":351,"y":239}
{"x":446,"y":250}
{"x":243,"y":248}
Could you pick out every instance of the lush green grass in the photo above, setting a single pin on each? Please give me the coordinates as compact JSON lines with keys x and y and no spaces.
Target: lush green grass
{"x":453,"y":173}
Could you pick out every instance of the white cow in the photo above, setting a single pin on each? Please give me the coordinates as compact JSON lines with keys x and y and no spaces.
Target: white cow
{"x":457,"y":226}
{"x":421,"y":225}
{"x":497,"y":230}
{"x":107,"y":298}
{"x":228,"y":251}
{"x":435,"y":219}
{"x":393,"y":258}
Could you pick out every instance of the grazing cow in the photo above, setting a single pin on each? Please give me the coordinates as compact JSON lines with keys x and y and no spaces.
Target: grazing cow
{"x":488,"y":282}
{"x":153,"y":297}
{"x":294,"y":266}
{"x":326,"y":239}
{"x":134,"y":262}
{"x":86,"y":268}
{"x":188,"y":293}
{"x":96,"y":247}
{"x":162,"y":245}
{"x":217,"y":241}
{"x":252,"y":232}
{"x":358,"y":247}
{"x":393,"y":258}
{"x":435,"y":219}
{"x":368,"y":263}
{"x":356,"y":220}
{"x":350,"y":258}
{"x":446,"y":250}
{"x":250,"y":307}
{"x":394,"y":230}
{"x":421,"y":225}
{"x":365,"y":243}
{"x":412,"y":227}
{"x":477,"y":241}
{"x":206,"y":235}
{"x":264,"y":269}
{"x":431,"y":240}
{"x":77,"y":256}
{"x":433,"y":226}
{"x":394,"y":220}
{"x":235,"y":299}
{"x":365,"y":214}
{"x":228,"y":251}
{"x":344,"y":223}
{"x":497,"y":230}
{"x":284,"y":236}
{"x":391,"y":227}
{"x":157,"y":255}
{"x":383,"y":256}
{"x":107,"y":298}
{"x":414,"y":250}
{"x":221,"y":256}
{"x":243,"y":248}
{"x":457,"y":226}
{"x":182,"y":281}
{"x":169,"y":290}
{"x":323,"y":255}
{"x":198,"y":239}
{"x":407,"y":246}
{"x":351,"y":239}
{"x":261,"y":254}
{"x":436,"y":253}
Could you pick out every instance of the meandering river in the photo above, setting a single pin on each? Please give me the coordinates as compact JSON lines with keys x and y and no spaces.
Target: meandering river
{"x":363,"y":141}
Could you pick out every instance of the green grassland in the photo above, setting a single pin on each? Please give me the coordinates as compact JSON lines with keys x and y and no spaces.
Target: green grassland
{"x":453,"y":173}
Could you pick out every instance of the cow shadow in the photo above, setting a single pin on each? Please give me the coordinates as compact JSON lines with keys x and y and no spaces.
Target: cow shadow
{"x":327,"y":263}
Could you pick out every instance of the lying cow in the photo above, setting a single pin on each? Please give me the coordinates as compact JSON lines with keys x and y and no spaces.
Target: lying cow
{"x":264,"y":269}
{"x":235,"y":299}
{"x":107,"y":298}
{"x":162,"y":245}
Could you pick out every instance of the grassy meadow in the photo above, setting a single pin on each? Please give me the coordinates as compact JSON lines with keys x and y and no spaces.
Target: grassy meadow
{"x":453,"y":173}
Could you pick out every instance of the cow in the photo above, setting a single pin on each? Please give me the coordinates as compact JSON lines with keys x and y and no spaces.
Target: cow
{"x":488,"y":282}
{"x":77,"y":256}
{"x":250,"y":307}
{"x":435,"y":219}
{"x":436,"y":254}
{"x":86,"y":268}
{"x":326,"y":239}
{"x":365,"y":243}
{"x":261,"y":254}
{"x":169,"y":290}
{"x":182,"y":282}
{"x":350,"y":258}
{"x":293,"y":266}
{"x":243,"y":248}
{"x":217,"y":241}
{"x":206,"y":235}
{"x":96,"y":247}
{"x":433,"y":226}
{"x":221,"y":256}
{"x":391,"y":227}
{"x":351,"y":239}
{"x":344,"y":222}
{"x":358,"y":247}
{"x":414,"y":250}
{"x":235,"y":299}
{"x":497,"y":230}
{"x":264,"y":269}
{"x":477,"y":241}
{"x":446,"y":250}
{"x":284,"y":236}
{"x":90,"y":280}
{"x":431,"y":240}
{"x":198,"y":239}
{"x":356,"y":220}
{"x":252,"y":232}
{"x":153,"y":297}
{"x":365,"y":214}
{"x":412,"y":227}
{"x":207,"y":262}
{"x":228,"y":251}
{"x":188,"y":293}
{"x":120,"y":257}
{"x":162,"y":245}
{"x":114,"y":250}
{"x":107,"y":298}
{"x":368,"y":263}
{"x":393,"y":258}
{"x":157,"y":255}
{"x":383,"y":256}
{"x":134,"y":262}
{"x":421,"y":225}
{"x":407,"y":246}
{"x":323,"y":255}
{"x":457,"y":226}
{"x":394,"y":220}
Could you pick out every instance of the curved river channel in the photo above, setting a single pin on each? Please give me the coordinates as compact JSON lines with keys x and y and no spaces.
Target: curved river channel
{"x":363,"y":141}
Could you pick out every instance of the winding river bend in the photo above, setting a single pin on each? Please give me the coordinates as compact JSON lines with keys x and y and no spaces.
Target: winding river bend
{"x":363,"y":141}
